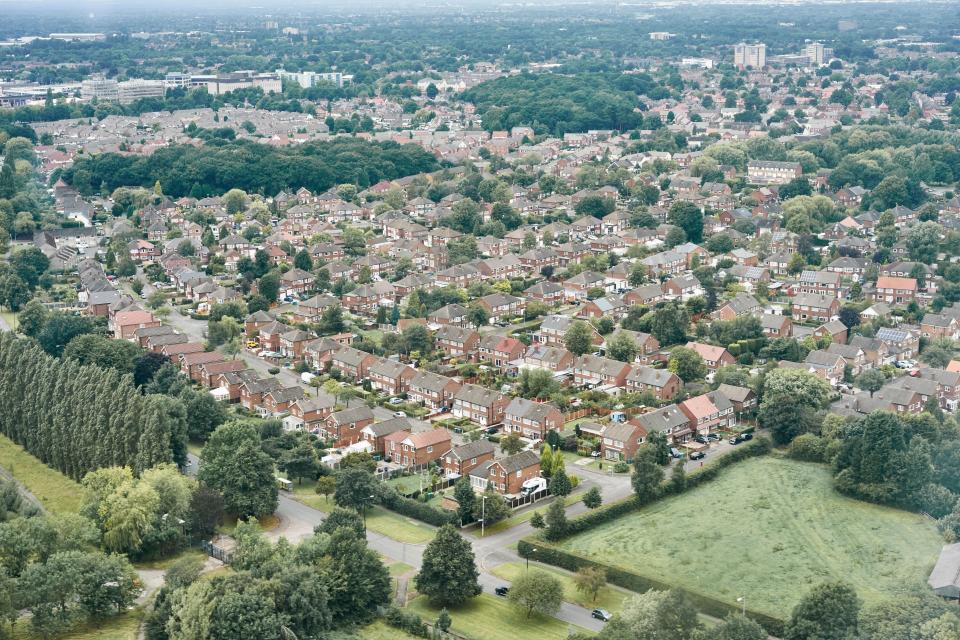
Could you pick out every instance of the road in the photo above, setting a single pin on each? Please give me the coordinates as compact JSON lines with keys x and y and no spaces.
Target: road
{"x":297,"y":521}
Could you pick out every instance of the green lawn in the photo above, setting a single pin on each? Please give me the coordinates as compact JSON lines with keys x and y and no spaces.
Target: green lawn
{"x":397,"y":569}
{"x":57,"y":492}
{"x":609,"y":598}
{"x":769,"y":529}
{"x":488,"y":617}
{"x":380,"y":520}
{"x":10,"y":318}
{"x":166,"y":563}
{"x":121,"y":627}
{"x":380,"y":630}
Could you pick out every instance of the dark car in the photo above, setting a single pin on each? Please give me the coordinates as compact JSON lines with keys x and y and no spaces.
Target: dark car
{"x":735,"y":440}
{"x":601,"y":614}
{"x":746,"y":436}
{"x":492,"y":431}
{"x":502,"y":591}
{"x":713,"y":436}
{"x":698,"y":455}
{"x":701,"y":439}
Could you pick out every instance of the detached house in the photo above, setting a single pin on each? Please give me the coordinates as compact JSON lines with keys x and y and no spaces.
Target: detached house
{"x":661,"y":383}
{"x":344,"y":427}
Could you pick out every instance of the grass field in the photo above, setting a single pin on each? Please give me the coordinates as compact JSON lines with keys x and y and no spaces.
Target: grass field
{"x":380,"y":630}
{"x":121,"y":627}
{"x":769,"y":529}
{"x":609,"y":598}
{"x":57,"y":492}
{"x":487,"y":617}
{"x":380,"y":520}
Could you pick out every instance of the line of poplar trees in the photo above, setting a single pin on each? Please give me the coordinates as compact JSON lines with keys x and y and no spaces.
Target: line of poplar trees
{"x":79,"y":418}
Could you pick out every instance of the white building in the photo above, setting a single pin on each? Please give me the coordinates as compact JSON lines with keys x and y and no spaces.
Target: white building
{"x":750,"y":55}
{"x":99,"y":87}
{"x":307,"y":79}
{"x":814,"y":53}
{"x":703,"y":63}
{"x":137,"y":89}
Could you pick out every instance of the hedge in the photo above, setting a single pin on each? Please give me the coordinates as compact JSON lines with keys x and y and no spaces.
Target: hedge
{"x":591,"y":519}
{"x":546,"y":553}
{"x":407,"y":621}
{"x":415,"y":509}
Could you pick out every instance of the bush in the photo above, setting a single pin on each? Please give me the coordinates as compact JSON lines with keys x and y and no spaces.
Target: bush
{"x":936,"y":500}
{"x":273,"y":370}
{"x":808,"y":448}
{"x":621,"y":467}
{"x":392,"y":500}
{"x":405,"y":621}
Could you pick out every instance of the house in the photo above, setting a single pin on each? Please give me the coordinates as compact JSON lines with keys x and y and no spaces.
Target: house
{"x":451,"y":314}
{"x":549,"y":293}
{"x":418,"y":449}
{"x":278,"y":401}
{"x":125,"y":323}
{"x":713,"y":357}
{"x":762,"y":172}
{"x":377,"y":433}
{"x":456,"y":341}
{"x":597,"y":371}
{"x":740,"y":305}
{"x":826,"y":365}
{"x":352,"y":363}
{"x":825,"y":283}
{"x":508,"y":474}
{"x":894,"y":290}
{"x":935,"y":326}
{"x":532,"y":420}
{"x":670,"y":421}
{"x":621,"y":440}
{"x":776,"y":326}
{"x":461,"y":460}
{"x":901,"y":344}
{"x":553,"y":330}
{"x":311,"y":412}
{"x":432,"y":390}
{"x":576,"y":287}
{"x":296,"y":281}
{"x":501,"y":306}
{"x":742,"y":398}
{"x":661,"y":383}
{"x":813,"y":307}
{"x":390,"y":376}
{"x":479,"y":405}
{"x":540,"y":356}
{"x":499,"y":351}
{"x":343,"y":427}
{"x":252,"y":390}
{"x":835,"y":331}
{"x":708,"y":412}
{"x":682,"y":288}
{"x":852,"y":355}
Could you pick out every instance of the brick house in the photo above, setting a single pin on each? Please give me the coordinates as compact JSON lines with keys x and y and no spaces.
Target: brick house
{"x":499,"y":351}
{"x":416,"y":449}
{"x":893,"y":290}
{"x":508,"y":474}
{"x":714,"y":357}
{"x":457,"y":341}
{"x":352,"y":363}
{"x":531,"y":419}
{"x":343,"y":427}
{"x":378,"y":432}
{"x":479,"y":405}
{"x":461,"y":460}
{"x":811,"y":307}
{"x":621,"y":440}
{"x":432,"y":390}
{"x":708,"y":412}
{"x":390,"y":376}
{"x":661,"y":383}
{"x":600,"y":371}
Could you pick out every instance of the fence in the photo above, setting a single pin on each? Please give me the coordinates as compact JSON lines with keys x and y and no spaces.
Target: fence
{"x":519,"y":501}
{"x":218,"y":553}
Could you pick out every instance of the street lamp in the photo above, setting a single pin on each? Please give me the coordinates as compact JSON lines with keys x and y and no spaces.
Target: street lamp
{"x":483,"y":514}
{"x":743,"y":601}
{"x":532,"y":551}
{"x":365,"y":516}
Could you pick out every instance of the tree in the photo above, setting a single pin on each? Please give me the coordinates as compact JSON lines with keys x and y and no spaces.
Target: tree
{"x":356,"y":488}
{"x":490,"y":507}
{"x":560,"y":483}
{"x":325,"y":486}
{"x":871,"y":380}
{"x":536,"y":383}
{"x":579,"y":338}
{"x":331,"y":321}
{"x":303,"y":261}
{"x":923,"y":242}
{"x":596,"y":206}
{"x":448,"y":574}
{"x":301,"y":462}
{"x":590,"y":580}
{"x":791,"y":399}
{"x":234,"y":200}
{"x":466,"y":500}
{"x":735,"y":627}
{"x":204,"y":415}
{"x":669,"y":324}
{"x":511,"y":443}
{"x":477,"y":315}
{"x":647,"y":475}
{"x":688,"y":217}
{"x":235,"y":465}
{"x":622,"y":347}
{"x":654,"y":615}
{"x":269,"y":285}
{"x":537,"y":521}
{"x":536,"y":591}
{"x":556,"y":520}
{"x":828,"y":611}
{"x":687,"y":364}
{"x":592,"y":498}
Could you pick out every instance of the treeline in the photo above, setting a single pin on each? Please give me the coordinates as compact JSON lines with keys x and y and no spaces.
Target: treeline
{"x":77,"y":418}
{"x":219,"y":166}
{"x":558,"y":104}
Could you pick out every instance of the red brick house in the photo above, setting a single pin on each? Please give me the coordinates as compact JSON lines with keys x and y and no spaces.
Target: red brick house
{"x":531,"y":419}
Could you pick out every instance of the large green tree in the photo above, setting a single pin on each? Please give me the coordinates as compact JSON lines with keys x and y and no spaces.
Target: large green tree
{"x":448,"y":574}
{"x":829,"y":611}
{"x":234,"y":464}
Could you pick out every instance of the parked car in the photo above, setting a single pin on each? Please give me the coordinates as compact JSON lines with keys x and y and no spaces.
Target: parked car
{"x":502,"y":591}
{"x":713,"y":436}
{"x":675,"y":453}
{"x":746,"y":436}
{"x":735,"y":440}
{"x":594,"y":454}
{"x":601,"y":614}
{"x":399,"y":414}
{"x":698,"y":455}
{"x":492,"y":431}
{"x":701,"y":439}
{"x":395,"y":400}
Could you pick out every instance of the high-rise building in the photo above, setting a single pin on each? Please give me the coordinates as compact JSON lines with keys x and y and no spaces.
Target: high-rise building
{"x":307,"y":79}
{"x":137,"y":89}
{"x":99,"y":87}
{"x":815,"y":53}
{"x":750,"y":55}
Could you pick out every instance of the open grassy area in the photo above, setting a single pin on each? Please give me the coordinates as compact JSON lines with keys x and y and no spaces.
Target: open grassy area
{"x":10,"y":318}
{"x":609,"y":598}
{"x":380,"y":630}
{"x":769,"y":529}
{"x":487,"y":617}
{"x":57,"y":492}
{"x":380,"y":520}
{"x":166,"y":563}
{"x":120,"y":627}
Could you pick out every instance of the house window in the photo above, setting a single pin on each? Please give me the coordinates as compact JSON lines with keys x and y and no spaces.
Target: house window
{"x":429,"y":449}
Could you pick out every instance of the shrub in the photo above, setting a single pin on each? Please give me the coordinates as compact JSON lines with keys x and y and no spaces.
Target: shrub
{"x":936,"y":500}
{"x":392,"y":500}
{"x":273,"y":370}
{"x":405,"y":621}
{"x":808,"y":448}
{"x":621,"y":467}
